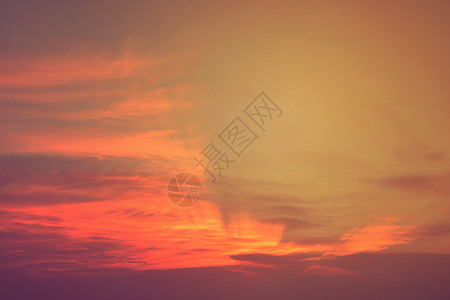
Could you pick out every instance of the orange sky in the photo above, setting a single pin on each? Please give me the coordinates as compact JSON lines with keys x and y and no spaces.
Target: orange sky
{"x":93,"y":128}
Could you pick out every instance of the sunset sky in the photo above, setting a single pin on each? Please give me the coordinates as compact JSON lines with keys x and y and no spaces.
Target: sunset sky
{"x":344,"y":195}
